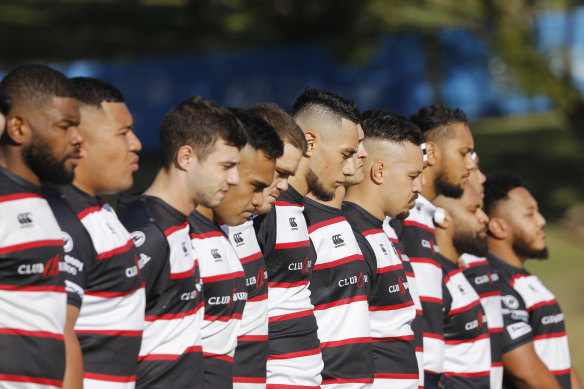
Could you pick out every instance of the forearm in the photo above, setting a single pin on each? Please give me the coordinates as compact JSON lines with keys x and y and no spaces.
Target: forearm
{"x":74,"y":361}
{"x":575,"y":380}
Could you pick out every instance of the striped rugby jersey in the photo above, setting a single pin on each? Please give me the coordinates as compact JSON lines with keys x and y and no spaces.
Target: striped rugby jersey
{"x":339,"y":289}
{"x":225,"y":296}
{"x":104,"y":281}
{"x":251,"y":353}
{"x":485,"y":280}
{"x":532,"y":314}
{"x":467,"y":347}
{"x":390,"y":227}
{"x":32,"y":288}
{"x":391,"y":306}
{"x":294,"y":356}
{"x":171,"y":354}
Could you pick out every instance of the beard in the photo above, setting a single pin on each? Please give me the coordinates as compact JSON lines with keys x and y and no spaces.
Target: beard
{"x":522,"y":247}
{"x":470,"y":243}
{"x":446,"y":188}
{"x":45,"y":166}
{"x":316,"y":187}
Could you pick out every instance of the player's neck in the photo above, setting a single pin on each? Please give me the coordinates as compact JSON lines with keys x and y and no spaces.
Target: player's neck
{"x":506,"y":253}
{"x":336,"y":202}
{"x":365,"y":197}
{"x":171,"y":188}
{"x":207,"y":212}
{"x":447,"y":249}
{"x":13,"y":163}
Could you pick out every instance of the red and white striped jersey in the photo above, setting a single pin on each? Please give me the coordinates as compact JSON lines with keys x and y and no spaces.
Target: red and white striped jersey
{"x":532,"y":314}
{"x":171,"y":355}
{"x":32,"y":288}
{"x":467,"y":347}
{"x":339,"y":289}
{"x":294,"y":356}
{"x":225,"y":296}
{"x":391,"y":307}
{"x":485,"y":280}
{"x":389,"y":227}
{"x":251,"y":353}
{"x":104,"y":281}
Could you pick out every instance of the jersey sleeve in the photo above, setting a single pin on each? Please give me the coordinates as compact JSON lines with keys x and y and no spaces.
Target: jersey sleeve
{"x":265,"y":227}
{"x":516,"y":328}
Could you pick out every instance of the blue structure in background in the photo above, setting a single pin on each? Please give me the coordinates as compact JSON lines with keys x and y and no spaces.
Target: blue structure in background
{"x":395,"y":78}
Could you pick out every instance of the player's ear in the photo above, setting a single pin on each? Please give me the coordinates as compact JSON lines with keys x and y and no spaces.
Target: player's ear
{"x":185,"y":158}
{"x":376,"y":172}
{"x":442,"y":218}
{"x":17,"y":130}
{"x":432,"y":153}
{"x":310,"y":137}
{"x":498,"y":228}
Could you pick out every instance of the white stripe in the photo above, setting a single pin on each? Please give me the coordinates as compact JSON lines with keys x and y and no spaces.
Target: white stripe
{"x":554,"y":352}
{"x":255,"y":318}
{"x":105,"y":239}
{"x":492,"y":307}
{"x":462,"y":292}
{"x":428,"y":280}
{"x":396,"y":383}
{"x":172,"y":336}
{"x":496,"y":377}
{"x":182,"y":254}
{"x":33,"y":311}
{"x":285,"y":232}
{"x":284,"y":301}
{"x":125,"y":313}
{"x":98,"y":384}
{"x":247,"y":385}
{"x":332,"y":328}
{"x":24,"y":385}
{"x":301,"y":371}
{"x":220,"y":337}
{"x":43,"y":225}
{"x":392,"y":323}
{"x":469,"y":357}
{"x":433,"y":354}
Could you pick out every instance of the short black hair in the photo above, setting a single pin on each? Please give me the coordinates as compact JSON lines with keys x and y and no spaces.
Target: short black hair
{"x":197,"y":122}
{"x":34,"y":83}
{"x":378,"y":112}
{"x":392,"y":129}
{"x":318,"y":98}
{"x":434,"y":116}
{"x":260,"y":135}
{"x":288,"y":130}
{"x":92,"y":91}
{"x":497,"y":188}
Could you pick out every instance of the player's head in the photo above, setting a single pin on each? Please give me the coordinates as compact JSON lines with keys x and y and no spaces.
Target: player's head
{"x":359,"y":160}
{"x":393,"y":169}
{"x":42,"y":114}
{"x":466,"y":222}
{"x":330,"y":125}
{"x":110,"y":147}
{"x":294,"y":147}
{"x":256,"y":169}
{"x":203,"y":139}
{"x":374,"y":113}
{"x":449,"y":148}
{"x":515,"y":220}
{"x":477,"y":178}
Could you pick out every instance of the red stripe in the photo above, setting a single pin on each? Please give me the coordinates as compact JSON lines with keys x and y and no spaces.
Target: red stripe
{"x":348,"y":381}
{"x":184,"y":274}
{"x":495,"y":330}
{"x":19,"y":196}
{"x":391,"y":307}
{"x":235,"y":316}
{"x":250,"y":258}
{"x":338,"y":262}
{"x":194,"y":349}
{"x":431,"y":300}
{"x":343,"y":342}
{"x":325,"y":223}
{"x":372,"y":232}
{"x":110,"y":332}
{"x":107,"y":377}
{"x":249,"y":380}
{"x":291,"y":245}
{"x":31,"y":245}
{"x":410,"y":275}
{"x":465,"y":308}
{"x":116,"y":251}
{"x":432,"y":336}
{"x":36,"y":334}
{"x":286,"y":204}
{"x":159,"y":357}
{"x":477,"y":263}
{"x":253,"y":338}
{"x":225,"y":358}
{"x":171,"y":316}
{"x":395,"y":338}
{"x":549,"y":336}
{"x":261,"y":297}
{"x":337,"y":303}
{"x":36,"y":380}
{"x":451,"y":274}
{"x":425,"y":260}
{"x":541,"y":304}
{"x":174,"y":229}
{"x":477,"y":374}
{"x":561,"y":372}
{"x":419,"y":349}
{"x":490,"y":294}
{"x":296,"y":354}
{"x":412,"y":223}
{"x":223,"y":277}
{"x":287,"y":284}
{"x":206,"y":235}
{"x":49,"y":288}
{"x":387,"y":269}
{"x":87,"y":211}
{"x":473,"y":340}
{"x":397,"y":376}
{"x":497,"y":364}
{"x":289,"y":316}
{"x":108,"y":295}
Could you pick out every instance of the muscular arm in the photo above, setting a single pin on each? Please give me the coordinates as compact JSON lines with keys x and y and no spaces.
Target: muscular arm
{"x":575,"y":380}
{"x":74,"y":361}
{"x":526,"y":370}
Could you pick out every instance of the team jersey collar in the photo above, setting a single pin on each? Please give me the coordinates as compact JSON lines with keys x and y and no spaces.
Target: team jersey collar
{"x":369,"y":218}
{"x":29,"y":186}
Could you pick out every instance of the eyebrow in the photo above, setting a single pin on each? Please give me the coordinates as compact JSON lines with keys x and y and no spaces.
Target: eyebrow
{"x":259,"y":184}
{"x":349,"y":150}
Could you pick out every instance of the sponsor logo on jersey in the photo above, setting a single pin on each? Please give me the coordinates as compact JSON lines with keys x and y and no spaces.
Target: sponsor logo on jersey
{"x":227,"y":300}
{"x":477,"y":323}
{"x":358,"y":281}
{"x":429,"y":244}
{"x":258,"y":280}
{"x":193,"y":294}
{"x":552,"y":319}
{"x":237,"y":238}
{"x":401,"y":286}
{"x":73,"y":265}
{"x":510,"y":302}
{"x":338,"y":241}
{"x":293,"y":223}
{"x":133,"y":271}
{"x":67,"y":242}
{"x":516,"y":330}
{"x":139,"y":238}
{"x":25,"y":219}
{"x":51,"y":268}
{"x":490,"y":278}
{"x":304,"y":266}
{"x":215,"y":254}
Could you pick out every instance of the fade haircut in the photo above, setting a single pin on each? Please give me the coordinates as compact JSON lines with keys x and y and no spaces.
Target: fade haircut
{"x":325,"y":104}
{"x":433,"y":120}
{"x":33,"y":83}
{"x":392,"y":129}
{"x":283,"y":124}
{"x":93,"y":92}
{"x":197,"y":122}
{"x":260,"y":135}
{"x":379,"y":112}
{"x":497,"y":188}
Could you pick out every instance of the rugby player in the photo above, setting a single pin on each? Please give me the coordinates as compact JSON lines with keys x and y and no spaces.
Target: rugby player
{"x":449,"y":146}
{"x":393,"y":179}
{"x":234,"y":321}
{"x":40,"y":144}
{"x":535,"y":345}
{"x":105,"y":291}
{"x":199,"y":149}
